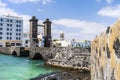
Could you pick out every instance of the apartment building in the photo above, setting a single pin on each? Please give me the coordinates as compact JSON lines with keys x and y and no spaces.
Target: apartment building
{"x":11,"y":31}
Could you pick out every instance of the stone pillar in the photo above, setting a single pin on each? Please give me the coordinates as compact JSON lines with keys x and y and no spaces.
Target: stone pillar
{"x":33,"y":35}
{"x":47,"y":33}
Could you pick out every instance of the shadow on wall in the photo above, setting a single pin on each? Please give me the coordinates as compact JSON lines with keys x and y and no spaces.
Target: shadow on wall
{"x":37,"y":56}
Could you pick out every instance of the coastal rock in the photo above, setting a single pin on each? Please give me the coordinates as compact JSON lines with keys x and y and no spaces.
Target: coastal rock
{"x":62,"y":75}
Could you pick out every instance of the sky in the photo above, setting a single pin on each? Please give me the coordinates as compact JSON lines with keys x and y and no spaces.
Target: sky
{"x":78,"y":19}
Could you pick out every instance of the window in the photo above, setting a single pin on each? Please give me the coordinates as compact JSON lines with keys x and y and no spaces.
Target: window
{"x":19,"y":34}
{"x":19,"y":38}
{"x":7,"y":20}
{"x":7,"y":29}
{"x":12,"y":44}
{"x":16,"y":34}
{"x":10,"y":33}
{"x":16,"y":25}
{"x":16,"y":38}
{"x":10,"y":25}
{"x":16,"y":21}
{"x":10,"y":29}
{"x":19,"y":21}
{"x":0,"y":37}
{"x":19,"y":29}
{"x":10,"y":20}
{"x":0,"y":33}
{"x":7,"y":38}
{"x":24,"y":35}
{"x":26,"y":41}
{"x":16,"y":29}
{"x":7,"y":24}
{"x":1,"y":19}
{"x":7,"y":33}
{"x":1,"y":24}
{"x":10,"y":38}
{"x":18,"y":44}
{"x":1,"y":28}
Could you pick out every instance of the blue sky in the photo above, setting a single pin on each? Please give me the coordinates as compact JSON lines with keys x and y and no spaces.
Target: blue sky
{"x":79,"y":19}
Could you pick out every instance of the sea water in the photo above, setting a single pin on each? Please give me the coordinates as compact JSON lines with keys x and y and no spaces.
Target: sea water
{"x":19,"y":68}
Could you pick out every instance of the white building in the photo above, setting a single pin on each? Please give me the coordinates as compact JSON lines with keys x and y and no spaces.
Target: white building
{"x":26,"y":40}
{"x":11,"y":31}
{"x":84,"y":43}
{"x":61,"y":42}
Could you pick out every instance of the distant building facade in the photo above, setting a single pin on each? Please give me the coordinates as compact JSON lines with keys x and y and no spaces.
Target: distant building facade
{"x":61,"y":42}
{"x":11,"y":31}
{"x":83,"y":44}
{"x":62,"y":35}
{"x":26,"y":40}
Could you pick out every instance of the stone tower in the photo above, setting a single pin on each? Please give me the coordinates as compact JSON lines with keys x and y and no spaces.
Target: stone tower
{"x":33,"y":34}
{"x":47,"y":33}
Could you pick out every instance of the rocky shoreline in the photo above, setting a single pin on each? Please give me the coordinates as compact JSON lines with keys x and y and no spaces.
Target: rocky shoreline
{"x":65,"y":75}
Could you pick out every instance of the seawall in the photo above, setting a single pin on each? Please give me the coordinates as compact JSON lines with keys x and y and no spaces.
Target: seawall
{"x":105,"y":54}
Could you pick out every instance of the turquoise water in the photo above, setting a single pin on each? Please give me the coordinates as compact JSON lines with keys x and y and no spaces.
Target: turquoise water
{"x":17,"y":68}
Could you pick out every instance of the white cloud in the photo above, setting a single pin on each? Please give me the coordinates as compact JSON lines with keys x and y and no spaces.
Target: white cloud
{"x":111,"y":11}
{"x":32,"y":1}
{"x":2,"y":4}
{"x":109,"y":1}
{"x":85,"y":26}
{"x":46,"y":1}
{"x":82,"y":29}
{"x":22,"y":1}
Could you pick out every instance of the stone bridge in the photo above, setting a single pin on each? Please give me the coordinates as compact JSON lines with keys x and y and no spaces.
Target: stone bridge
{"x":56,"y":56}
{"x":77,"y":58}
{"x":60,"y":56}
{"x":18,"y":51}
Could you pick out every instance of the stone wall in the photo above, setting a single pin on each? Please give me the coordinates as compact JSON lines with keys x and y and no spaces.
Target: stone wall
{"x":5,"y":50}
{"x":77,"y":58}
{"x":18,"y":51}
{"x":105,"y":54}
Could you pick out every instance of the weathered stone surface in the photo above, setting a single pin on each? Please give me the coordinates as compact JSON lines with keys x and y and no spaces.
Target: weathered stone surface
{"x":76,"y":58}
{"x":18,"y":51}
{"x":105,"y":54}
